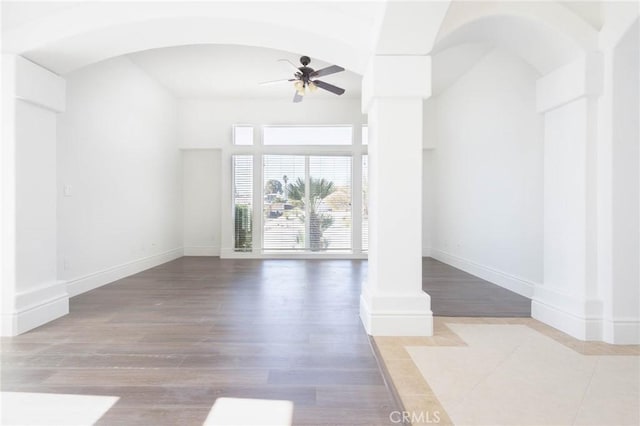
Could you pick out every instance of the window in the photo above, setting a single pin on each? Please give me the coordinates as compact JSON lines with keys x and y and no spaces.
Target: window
{"x":294,"y":192}
{"x":365,"y":203}
{"x":329,"y":203}
{"x":284,"y":213}
{"x":307,"y":203}
{"x":242,"y":135}
{"x":307,"y":135}
{"x":243,"y":202}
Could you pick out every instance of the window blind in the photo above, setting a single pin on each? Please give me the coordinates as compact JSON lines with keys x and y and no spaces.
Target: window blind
{"x":330,"y":203}
{"x":307,"y":202}
{"x":243,"y":202}
{"x":284,"y":202}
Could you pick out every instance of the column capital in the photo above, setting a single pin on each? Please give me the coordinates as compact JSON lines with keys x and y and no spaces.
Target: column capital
{"x":582,"y":77}
{"x":396,"y":76}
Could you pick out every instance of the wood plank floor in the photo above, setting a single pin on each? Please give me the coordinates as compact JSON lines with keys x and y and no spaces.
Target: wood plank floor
{"x":455,"y":293}
{"x":170,"y":340}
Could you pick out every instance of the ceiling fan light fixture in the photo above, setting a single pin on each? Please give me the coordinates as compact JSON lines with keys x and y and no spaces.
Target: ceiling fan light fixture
{"x":299,"y":86}
{"x":302,"y":78}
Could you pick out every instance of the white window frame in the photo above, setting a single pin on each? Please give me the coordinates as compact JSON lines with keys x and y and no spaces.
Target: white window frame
{"x":259,"y":150}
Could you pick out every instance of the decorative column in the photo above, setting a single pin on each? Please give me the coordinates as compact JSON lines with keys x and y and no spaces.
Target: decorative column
{"x":392,"y":302}
{"x":568,"y":299}
{"x":31,"y":293}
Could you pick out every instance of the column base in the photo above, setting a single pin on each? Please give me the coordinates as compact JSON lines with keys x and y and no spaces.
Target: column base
{"x":416,"y":319}
{"x":579,"y":318}
{"x":35,"y":308}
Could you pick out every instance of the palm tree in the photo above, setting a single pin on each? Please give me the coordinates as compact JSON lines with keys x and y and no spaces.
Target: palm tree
{"x":319,"y":189}
{"x":285,"y":179}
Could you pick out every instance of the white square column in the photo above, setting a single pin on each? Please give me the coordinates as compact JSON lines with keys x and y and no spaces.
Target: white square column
{"x":569,"y":298}
{"x":32,"y":295}
{"x":392,"y":302}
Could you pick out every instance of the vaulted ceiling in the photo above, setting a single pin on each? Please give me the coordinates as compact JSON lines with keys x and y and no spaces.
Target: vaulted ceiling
{"x":224,"y":71}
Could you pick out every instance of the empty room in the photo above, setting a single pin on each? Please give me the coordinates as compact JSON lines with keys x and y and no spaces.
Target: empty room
{"x":320,"y":213}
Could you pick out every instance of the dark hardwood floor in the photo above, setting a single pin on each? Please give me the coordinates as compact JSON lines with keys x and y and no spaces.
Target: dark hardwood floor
{"x":455,"y":293}
{"x":172,"y":339}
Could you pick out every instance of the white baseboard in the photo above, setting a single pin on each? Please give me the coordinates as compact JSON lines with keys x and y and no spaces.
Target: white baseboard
{"x":426,"y":252}
{"x":622,"y":331}
{"x":227,"y":253}
{"x":201,"y":251}
{"x":36,"y":307}
{"x":580,"y":327}
{"x":510,"y":282}
{"x":580,"y":318}
{"x":109,"y":275}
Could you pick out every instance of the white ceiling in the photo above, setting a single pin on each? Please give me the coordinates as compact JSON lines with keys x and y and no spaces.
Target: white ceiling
{"x":224,"y":71}
{"x":591,"y":11}
{"x":450,"y":64}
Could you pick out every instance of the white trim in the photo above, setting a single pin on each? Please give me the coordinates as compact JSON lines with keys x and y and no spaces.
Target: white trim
{"x":201,"y":251}
{"x":580,"y":318}
{"x":395,"y":322}
{"x":227,"y":253}
{"x":39,"y":86}
{"x":579,"y":327}
{"x":582,"y":77}
{"x":621,"y":331}
{"x":98,"y":279}
{"x":36,"y":307}
{"x":503,"y":279}
{"x":426,"y":252}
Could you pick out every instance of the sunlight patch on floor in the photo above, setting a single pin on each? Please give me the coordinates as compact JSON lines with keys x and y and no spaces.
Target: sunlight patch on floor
{"x":250,"y":412}
{"x":25,"y":408}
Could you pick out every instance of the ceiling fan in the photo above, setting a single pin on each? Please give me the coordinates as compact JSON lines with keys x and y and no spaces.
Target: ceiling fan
{"x":305,"y":77}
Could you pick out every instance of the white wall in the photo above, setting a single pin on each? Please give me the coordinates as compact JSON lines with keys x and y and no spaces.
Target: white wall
{"x":202,"y":195}
{"x":626,"y":185}
{"x":429,"y":143}
{"x":205,"y":133}
{"x":487,"y":174}
{"x":120,"y":167}
{"x":207,"y":123}
{"x":35,"y":196}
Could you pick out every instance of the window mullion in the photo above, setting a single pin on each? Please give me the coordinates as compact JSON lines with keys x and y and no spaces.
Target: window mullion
{"x":258,"y":197}
{"x":307,"y":208}
{"x":356,"y":203}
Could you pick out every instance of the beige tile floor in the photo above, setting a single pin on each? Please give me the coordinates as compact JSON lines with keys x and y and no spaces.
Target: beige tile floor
{"x":490,"y":371}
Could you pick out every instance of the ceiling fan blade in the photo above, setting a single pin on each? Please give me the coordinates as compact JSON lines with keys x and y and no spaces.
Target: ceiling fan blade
{"x":328,"y":87}
{"x":297,"y":98}
{"x":263,"y":83}
{"x":326,"y":71}
{"x":296,"y":70}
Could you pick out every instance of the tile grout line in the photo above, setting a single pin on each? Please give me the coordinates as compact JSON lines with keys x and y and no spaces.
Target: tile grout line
{"x":586,"y":389}
{"x":482,"y":379}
